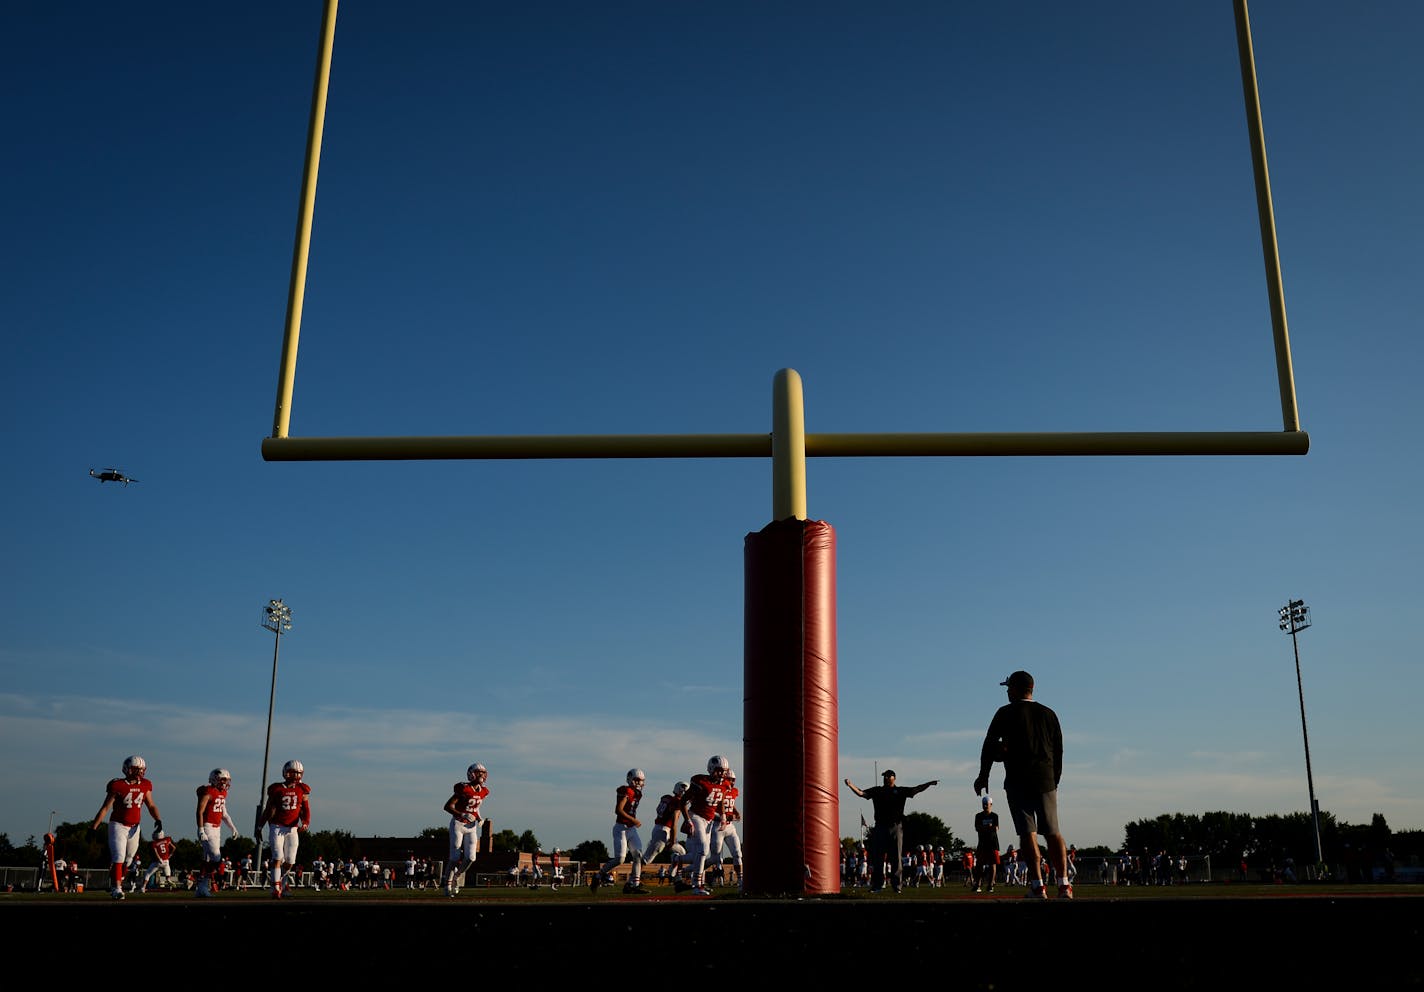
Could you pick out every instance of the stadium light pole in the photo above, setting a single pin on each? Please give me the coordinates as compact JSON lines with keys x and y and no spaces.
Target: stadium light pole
{"x":1295,"y":617}
{"x":276,"y":617}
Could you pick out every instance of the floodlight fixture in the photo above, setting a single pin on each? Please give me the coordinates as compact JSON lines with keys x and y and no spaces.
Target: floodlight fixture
{"x":1295,"y":617}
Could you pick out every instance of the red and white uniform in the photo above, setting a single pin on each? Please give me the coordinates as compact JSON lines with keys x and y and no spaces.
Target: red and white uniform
{"x":703,"y":797}
{"x":726,"y":840}
{"x":290,"y":813}
{"x":626,"y":841}
{"x":665,"y":818}
{"x":464,"y":806}
{"x":163,"y":849}
{"x":210,"y":829}
{"x":129,"y":799}
{"x":702,"y":801}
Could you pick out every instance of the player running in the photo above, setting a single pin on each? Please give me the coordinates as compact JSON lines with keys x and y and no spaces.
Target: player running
{"x":464,"y":809}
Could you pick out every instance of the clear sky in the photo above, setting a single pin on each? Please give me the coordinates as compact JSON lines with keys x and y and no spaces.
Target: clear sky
{"x":624,"y":218}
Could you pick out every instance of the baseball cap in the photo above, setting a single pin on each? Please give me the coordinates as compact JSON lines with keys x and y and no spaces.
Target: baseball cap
{"x":1019,"y":680}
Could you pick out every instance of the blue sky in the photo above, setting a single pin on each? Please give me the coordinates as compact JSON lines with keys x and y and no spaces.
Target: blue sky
{"x":624,"y":219}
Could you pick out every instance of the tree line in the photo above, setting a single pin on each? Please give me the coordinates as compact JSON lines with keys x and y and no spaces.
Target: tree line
{"x":1349,"y":850}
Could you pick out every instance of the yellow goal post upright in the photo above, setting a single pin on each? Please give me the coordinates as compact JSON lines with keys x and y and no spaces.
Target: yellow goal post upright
{"x":808,"y":848}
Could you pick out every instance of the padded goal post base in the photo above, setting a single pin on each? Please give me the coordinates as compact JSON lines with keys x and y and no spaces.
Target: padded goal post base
{"x":791,"y":728}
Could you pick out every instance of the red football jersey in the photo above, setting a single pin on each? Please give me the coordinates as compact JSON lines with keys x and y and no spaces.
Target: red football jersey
{"x":289,"y":803}
{"x":630,"y":798}
{"x":163,"y":848}
{"x":467,"y":798}
{"x":729,"y":803}
{"x":128,"y":799}
{"x":217,"y":804}
{"x":703,"y":797}
{"x":668,"y":806}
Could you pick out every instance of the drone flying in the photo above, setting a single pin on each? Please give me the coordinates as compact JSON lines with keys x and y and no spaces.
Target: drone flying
{"x":111,"y":475}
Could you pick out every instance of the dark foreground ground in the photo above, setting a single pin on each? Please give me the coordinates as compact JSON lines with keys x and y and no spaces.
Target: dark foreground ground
{"x":1228,"y":941}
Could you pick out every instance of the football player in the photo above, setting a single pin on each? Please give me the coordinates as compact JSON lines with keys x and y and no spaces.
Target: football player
{"x":212,"y":814}
{"x":464,"y":809}
{"x":702,"y":802}
{"x":626,"y":842}
{"x":726,"y":840}
{"x":163,"y":848}
{"x":287,"y":815}
{"x":665,"y":819}
{"x":126,"y":797}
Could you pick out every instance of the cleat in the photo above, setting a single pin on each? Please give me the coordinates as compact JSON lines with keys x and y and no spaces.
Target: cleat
{"x":977,"y":889}
{"x":700,"y":891}
{"x":991,"y":886}
{"x":1065,"y":891}
{"x":116,"y":893}
{"x":636,"y":890}
{"x":1037,"y":894}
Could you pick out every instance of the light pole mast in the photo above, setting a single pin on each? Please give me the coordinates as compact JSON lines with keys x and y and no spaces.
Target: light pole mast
{"x":1295,"y":617}
{"x":276,"y":617}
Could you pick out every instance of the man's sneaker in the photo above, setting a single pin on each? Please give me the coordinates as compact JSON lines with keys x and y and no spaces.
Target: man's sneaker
{"x":1065,"y":891}
{"x":977,"y":889}
{"x":1036,"y":893}
{"x":116,"y":893}
{"x":991,"y":887}
{"x":636,"y":890}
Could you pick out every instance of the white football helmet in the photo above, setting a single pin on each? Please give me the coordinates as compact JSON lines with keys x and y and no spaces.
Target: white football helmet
{"x":718,"y":766}
{"x":679,"y":789}
{"x":293,"y":770}
{"x":636,"y":778}
{"x":220,"y":778}
{"x":730,"y":775}
{"x":477,"y":773}
{"x":134,"y":765}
